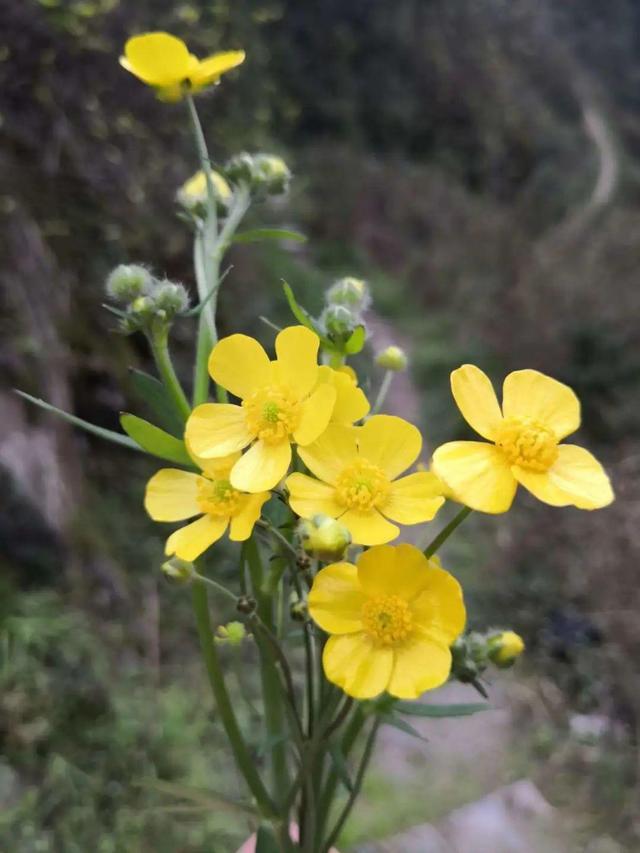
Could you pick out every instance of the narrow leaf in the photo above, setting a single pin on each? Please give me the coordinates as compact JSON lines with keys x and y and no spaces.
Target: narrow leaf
{"x":107,"y":434}
{"x":155,"y":441}
{"x":415,"y":709}
{"x":340,"y":765}
{"x":154,"y":394}
{"x":356,"y":341}
{"x":402,"y":725}
{"x":204,"y":798}
{"x":258,"y":235}
{"x":298,"y":312}
{"x":266,"y":841}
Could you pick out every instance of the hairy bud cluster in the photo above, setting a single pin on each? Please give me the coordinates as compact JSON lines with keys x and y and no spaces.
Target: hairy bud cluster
{"x":146,"y":300}
{"x":192,"y":195}
{"x":345,"y":303}
{"x":474,"y":652}
{"x":264,"y":174}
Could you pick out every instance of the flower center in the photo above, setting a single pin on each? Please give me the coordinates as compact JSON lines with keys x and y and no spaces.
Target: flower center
{"x":387,"y":619}
{"x":362,"y":486}
{"x":272,"y":413}
{"x":527,"y":443}
{"x":218,"y":497}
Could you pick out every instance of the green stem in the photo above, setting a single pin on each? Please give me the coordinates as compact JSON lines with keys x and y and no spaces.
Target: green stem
{"x":382,"y":393}
{"x":201,"y":373}
{"x":241,"y":754}
{"x":446,"y":532}
{"x":159,"y":341}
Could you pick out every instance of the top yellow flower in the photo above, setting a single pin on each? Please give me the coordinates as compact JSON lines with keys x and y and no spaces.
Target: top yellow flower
{"x":164,"y":62}
{"x":537,"y":413}
{"x":283,"y":402}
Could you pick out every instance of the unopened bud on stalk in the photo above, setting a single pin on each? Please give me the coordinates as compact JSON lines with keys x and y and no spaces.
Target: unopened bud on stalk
{"x":128,"y":282}
{"x":232,"y":634}
{"x":351,"y":292}
{"x":180,"y":570}
{"x":339,"y":322}
{"x":503,"y":648}
{"x":392,"y":358}
{"x":264,"y":174}
{"x":192,"y":195}
{"x":324,"y":537}
{"x":246,"y":604}
{"x":171,"y":298}
{"x":299,"y":611}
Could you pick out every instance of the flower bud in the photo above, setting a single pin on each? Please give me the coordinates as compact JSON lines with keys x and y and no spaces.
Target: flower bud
{"x":324,"y":536}
{"x":351,"y":292}
{"x":128,"y":282}
{"x":392,"y":358}
{"x":232,"y":634}
{"x":503,"y":648}
{"x":299,"y":611}
{"x":180,"y":570}
{"x":246,"y":604}
{"x":192,"y":195}
{"x":171,"y":298}
{"x":338,"y":322}
{"x":263,"y":173}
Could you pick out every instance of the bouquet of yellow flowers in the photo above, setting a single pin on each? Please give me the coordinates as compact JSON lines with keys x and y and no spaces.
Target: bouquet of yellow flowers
{"x":292,"y":462}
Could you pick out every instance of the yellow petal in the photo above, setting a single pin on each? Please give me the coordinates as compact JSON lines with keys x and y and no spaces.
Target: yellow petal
{"x":191,"y":541}
{"x":352,"y":662}
{"x":261,"y":467}
{"x":477,"y":473}
{"x":368,"y":527}
{"x":530,"y":394}
{"x":439,"y":610}
{"x":240,"y":364}
{"x":393,"y":570}
{"x":577,"y":475}
{"x":297,"y":364}
{"x":243,"y":521}
{"x":171,"y":495}
{"x":316,"y":413}
{"x":329,"y":455}
{"x":335,"y":599}
{"x":309,"y":497}
{"x":217,"y":429}
{"x":217,"y":469}
{"x":389,"y":442}
{"x":418,"y":665}
{"x":414,"y":499}
{"x":476,"y":399}
{"x":158,"y":59}
{"x":541,"y":486}
{"x":210,"y":69}
{"x":351,"y":404}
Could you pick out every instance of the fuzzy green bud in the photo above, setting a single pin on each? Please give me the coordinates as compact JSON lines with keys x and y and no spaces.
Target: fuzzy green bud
{"x":324,"y":537}
{"x":338,"y":322}
{"x":232,"y":634}
{"x":264,"y":174}
{"x":392,"y":358}
{"x":179,"y":570}
{"x":351,"y":292}
{"x":171,"y":298}
{"x":504,"y":648}
{"x":128,"y":282}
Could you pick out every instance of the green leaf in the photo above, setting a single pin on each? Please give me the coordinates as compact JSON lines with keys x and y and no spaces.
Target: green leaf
{"x":297,"y":310}
{"x":355,"y":343}
{"x":266,"y":841}
{"x":201,"y":797}
{"x":258,"y":235}
{"x":107,"y":434}
{"x":155,"y":441}
{"x":340,"y":765}
{"x":415,"y":709}
{"x":154,"y":394}
{"x":402,"y":725}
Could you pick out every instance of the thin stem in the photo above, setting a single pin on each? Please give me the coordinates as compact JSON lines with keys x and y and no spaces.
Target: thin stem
{"x":446,"y":532}
{"x":201,"y":373}
{"x":159,"y":341}
{"x":241,"y":753}
{"x":218,"y":587}
{"x":382,"y":393}
{"x":281,"y":539}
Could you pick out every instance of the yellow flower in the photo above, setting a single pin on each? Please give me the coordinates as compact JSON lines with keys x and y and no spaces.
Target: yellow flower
{"x":174,"y":495}
{"x":351,"y":403}
{"x":505,"y":647}
{"x":164,"y":62}
{"x":392,"y":620}
{"x":282,"y":402}
{"x":358,"y":467}
{"x":537,"y":413}
{"x":194,"y":191}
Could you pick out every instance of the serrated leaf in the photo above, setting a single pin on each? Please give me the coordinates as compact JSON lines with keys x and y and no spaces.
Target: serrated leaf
{"x":154,"y":394}
{"x":340,"y":765}
{"x":356,"y":342}
{"x":415,"y":709}
{"x":266,"y":841}
{"x":258,"y":235}
{"x":402,"y":725}
{"x":155,"y":441}
{"x":107,"y":434}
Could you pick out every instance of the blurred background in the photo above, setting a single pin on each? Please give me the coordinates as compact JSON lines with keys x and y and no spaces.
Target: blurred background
{"x":478,"y":162}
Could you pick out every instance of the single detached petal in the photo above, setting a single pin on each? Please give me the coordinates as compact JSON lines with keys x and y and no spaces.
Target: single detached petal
{"x":335,"y":599}
{"x":240,"y":364}
{"x":171,"y":495}
{"x":243,"y":521}
{"x":530,"y":394}
{"x":477,"y":473}
{"x":329,"y":455}
{"x":217,"y":429}
{"x":389,"y":442}
{"x":297,"y":363}
{"x":418,"y":665}
{"x":191,"y":541}
{"x":158,"y":59}
{"x":439,"y":610}
{"x":352,"y":662}
{"x":581,"y":477}
{"x":309,"y":497}
{"x":414,"y":498}
{"x":393,"y":570}
{"x":476,"y":399}
{"x":316,"y":413}
{"x":261,"y":467}
{"x":213,"y":67}
{"x":368,"y":527}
